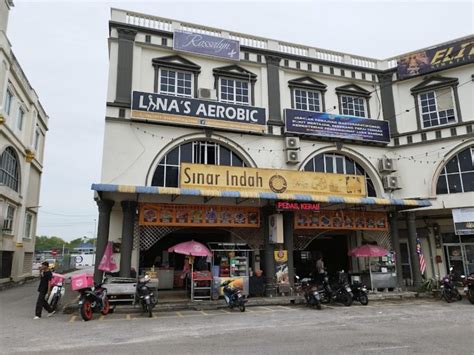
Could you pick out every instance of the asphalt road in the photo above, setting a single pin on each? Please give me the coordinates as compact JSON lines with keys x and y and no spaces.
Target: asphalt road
{"x":417,"y":326}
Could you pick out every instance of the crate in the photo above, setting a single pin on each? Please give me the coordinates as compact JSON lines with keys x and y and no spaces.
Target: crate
{"x":57,"y":278}
{"x":81,"y":281}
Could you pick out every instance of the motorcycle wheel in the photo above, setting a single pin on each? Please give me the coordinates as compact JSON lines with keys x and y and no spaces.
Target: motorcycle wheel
{"x":447,"y":296}
{"x":364,"y":299}
{"x":348,"y":300}
{"x":318,"y":306}
{"x":470,"y":296}
{"x":54,"y":302}
{"x":459,"y":297}
{"x":106,"y":308}
{"x":86,"y":310}
{"x":242,"y":307}
{"x":149,"y":308}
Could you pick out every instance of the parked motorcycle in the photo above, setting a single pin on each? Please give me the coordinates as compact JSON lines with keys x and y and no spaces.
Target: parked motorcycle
{"x":145,"y":296}
{"x":449,"y":290}
{"x":339,"y":292}
{"x":233,"y":296}
{"x":311,"y":293}
{"x":469,"y":287}
{"x":359,"y":292}
{"x":93,"y":300}
{"x":57,"y":291}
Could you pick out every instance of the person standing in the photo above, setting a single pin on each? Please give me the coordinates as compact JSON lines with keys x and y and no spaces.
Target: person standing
{"x":320,"y":270}
{"x":44,"y":289}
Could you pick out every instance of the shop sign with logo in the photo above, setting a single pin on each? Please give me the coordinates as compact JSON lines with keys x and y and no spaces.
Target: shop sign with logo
{"x":281,"y":256}
{"x":275,"y":228}
{"x":222,"y":178}
{"x":297,"y":206}
{"x":321,"y":124}
{"x":437,"y":58}
{"x":463,"y":219}
{"x":183,"y":110}
{"x":198,"y":216}
{"x":213,"y":46}
{"x":348,"y":220}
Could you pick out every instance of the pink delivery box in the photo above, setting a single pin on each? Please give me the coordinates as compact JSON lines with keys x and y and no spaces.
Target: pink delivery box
{"x":57,"y":278}
{"x":81,"y":281}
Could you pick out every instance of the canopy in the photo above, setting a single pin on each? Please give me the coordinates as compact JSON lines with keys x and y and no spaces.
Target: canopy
{"x":368,"y":250}
{"x":191,"y":248}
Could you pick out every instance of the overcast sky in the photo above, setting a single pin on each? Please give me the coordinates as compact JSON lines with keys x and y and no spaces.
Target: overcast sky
{"x":62,"y":47}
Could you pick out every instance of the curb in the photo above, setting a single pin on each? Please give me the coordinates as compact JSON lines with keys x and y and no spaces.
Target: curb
{"x":12,"y":284}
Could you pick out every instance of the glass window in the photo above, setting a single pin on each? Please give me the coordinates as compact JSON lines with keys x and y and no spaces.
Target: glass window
{"x":8,"y":102}
{"x":9,"y":218}
{"x":458,"y":174}
{"x":28,"y":222}
{"x":197,"y":152}
{"x":176,"y":83}
{"x":437,"y":107}
{"x":21,"y":115}
{"x":353,"y":105}
{"x":9,"y":169}
{"x":37,"y":138}
{"x":234,"y":91}
{"x":307,"y":100}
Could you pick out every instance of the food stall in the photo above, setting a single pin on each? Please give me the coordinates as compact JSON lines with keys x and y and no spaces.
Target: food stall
{"x":230,"y":261}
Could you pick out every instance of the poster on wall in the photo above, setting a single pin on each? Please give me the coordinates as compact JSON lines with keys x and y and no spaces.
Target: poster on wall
{"x":343,"y":220}
{"x":281,"y":267}
{"x":198,"y":216}
{"x":463,"y":219}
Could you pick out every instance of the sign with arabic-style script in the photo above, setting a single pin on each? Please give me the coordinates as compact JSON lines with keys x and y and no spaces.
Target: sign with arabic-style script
{"x":183,"y":110}
{"x":205,"y":44}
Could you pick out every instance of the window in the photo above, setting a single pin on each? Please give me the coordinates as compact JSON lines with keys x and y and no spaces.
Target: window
{"x":37,"y":138}
{"x":164,"y":41}
{"x":8,"y":102}
{"x":458,"y":174}
{"x":21,"y":115}
{"x":234,"y":91}
{"x":9,"y":218}
{"x":307,"y":100}
{"x":28,"y":223}
{"x":9,"y":169}
{"x":286,"y":63}
{"x":339,"y":164}
{"x":437,"y":107}
{"x":310,"y":67}
{"x":197,"y":152}
{"x":177,"y":83}
{"x":353,"y":106}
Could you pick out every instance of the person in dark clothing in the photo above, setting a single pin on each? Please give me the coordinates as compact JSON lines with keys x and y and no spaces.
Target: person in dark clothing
{"x":44,"y":289}
{"x":320,"y":270}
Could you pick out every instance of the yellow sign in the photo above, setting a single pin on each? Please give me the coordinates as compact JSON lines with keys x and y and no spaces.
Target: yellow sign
{"x":281,"y":256}
{"x":218,"y":177}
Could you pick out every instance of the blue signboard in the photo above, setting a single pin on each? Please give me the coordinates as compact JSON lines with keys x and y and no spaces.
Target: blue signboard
{"x":322,"y":124}
{"x":206,"y":45}
{"x":183,"y":110}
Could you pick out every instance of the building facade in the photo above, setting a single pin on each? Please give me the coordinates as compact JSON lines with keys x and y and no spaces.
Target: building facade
{"x":272,"y":147}
{"x":23,"y":127}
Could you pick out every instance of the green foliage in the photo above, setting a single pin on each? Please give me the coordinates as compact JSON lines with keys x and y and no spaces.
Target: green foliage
{"x":46,"y":243}
{"x":428,"y":286}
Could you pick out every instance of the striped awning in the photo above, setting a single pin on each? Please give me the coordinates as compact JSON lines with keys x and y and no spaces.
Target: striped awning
{"x":154,"y":190}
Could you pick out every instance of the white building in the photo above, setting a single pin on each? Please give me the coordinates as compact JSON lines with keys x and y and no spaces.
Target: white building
{"x":23,"y":126}
{"x":168,"y":105}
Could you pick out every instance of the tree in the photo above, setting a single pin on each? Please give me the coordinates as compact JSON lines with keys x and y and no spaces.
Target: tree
{"x":45,"y":243}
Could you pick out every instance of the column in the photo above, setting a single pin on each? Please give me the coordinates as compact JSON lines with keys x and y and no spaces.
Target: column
{"x":126,"y":38}
{"x":288,"y":228}
{"x":270,"y":286}
{"x":386,"y":96}
{"x":396,"y":246}
{"x":415,"y":261}
{"x":105,"y":207}
{"x":129,"y":209}
{"x":273,"y":78}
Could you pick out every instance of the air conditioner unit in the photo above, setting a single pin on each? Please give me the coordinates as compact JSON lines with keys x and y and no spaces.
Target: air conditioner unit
{"x":387,"y":165}
{"x":391,"y":182}
{"x":292,"y":156}
{"x":292,"y":143}
{"x":207,"y":94}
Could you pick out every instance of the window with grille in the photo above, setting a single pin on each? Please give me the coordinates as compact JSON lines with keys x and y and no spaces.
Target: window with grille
{"x":458,"y":174}
{"x":353,"y":106}
{"x":8,"y":102}
{"x":339,"y":164}
{"x":197,"y":152}
{"x":437,"y":107}
{"x":234,"y":91}
{"x":28,"y":223}
{"x":307,"y":100}
{"x":9,"y":169}
{"x":176,"y":83}
{"x":9,"y":218}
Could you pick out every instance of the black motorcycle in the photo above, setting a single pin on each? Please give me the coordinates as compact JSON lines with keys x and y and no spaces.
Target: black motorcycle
{"x":359,"y":292}
{"x":310,"y":293}
{"x":339,"y":292}
{"x":469,"y":287}
{"x":93,"y":300}
{"x":145,"y":296}
{"x":233,"y":296}
{"x":449,"y":290}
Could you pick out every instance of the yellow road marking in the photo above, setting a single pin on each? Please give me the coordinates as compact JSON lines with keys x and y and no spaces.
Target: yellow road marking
{"x":101,"y":317}
{"x":73,"y":318}
{"x":179,"y":314}
{"x":129,"y":317}
{"x":225,"y":311}
{"x":269,"y":309}
{"x":284,"y":307}
{"x":206,"y":314}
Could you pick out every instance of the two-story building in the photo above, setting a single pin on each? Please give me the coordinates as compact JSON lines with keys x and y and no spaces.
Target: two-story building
{"x":23,"y":127}
{"x":270,"y":153}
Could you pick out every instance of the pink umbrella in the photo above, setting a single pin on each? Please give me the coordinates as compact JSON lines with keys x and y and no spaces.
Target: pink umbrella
{"x":368,"y":250}
{"x":191,"y":248}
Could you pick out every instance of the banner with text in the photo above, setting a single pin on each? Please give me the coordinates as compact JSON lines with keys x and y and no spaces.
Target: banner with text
{"x":173,"y":109}
{"x":321,"y":124}
{"x":221,"y":178}
{"x":348,"y":220}
{"x":207,"y":45}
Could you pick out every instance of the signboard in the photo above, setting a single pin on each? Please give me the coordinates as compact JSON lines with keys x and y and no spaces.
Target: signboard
{"x":219,"y":177}
{"x":321,"y":124}
{"x":198,"y":216}
{"x":281,"y":256}
{"x":281,"y":267}
{"x":213,"y":46}
{"x":275,"y":228}
{"x":463,"y":219}
{"x":347,"y":220}
{"x":297,"y":206}
{"x":173,"y":109}
{"x":437,"y":58}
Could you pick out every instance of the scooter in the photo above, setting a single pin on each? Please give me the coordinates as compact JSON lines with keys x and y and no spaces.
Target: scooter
{"x":311,"y":293}
{"x":57,"y":292}
{"x":340,"y":292}
{"x":359,"y":292}
{"x":233,"y":296}
{"x":469,"y":287}
{"x":145,"y":296}
{"x":449,"y":290}
{"x":93,"y":300}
